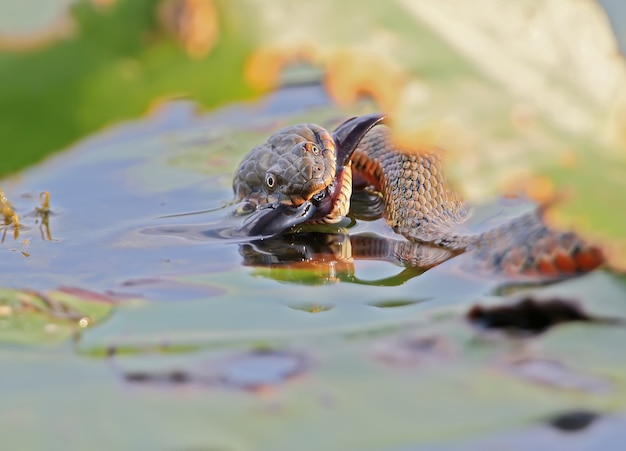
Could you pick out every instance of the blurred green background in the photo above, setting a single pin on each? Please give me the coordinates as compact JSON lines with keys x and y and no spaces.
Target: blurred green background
{"x":61,"y":79}
{"x":114,"y":62}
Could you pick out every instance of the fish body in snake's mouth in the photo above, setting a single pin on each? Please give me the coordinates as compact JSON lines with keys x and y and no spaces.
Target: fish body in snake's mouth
{"x":302,"y":174}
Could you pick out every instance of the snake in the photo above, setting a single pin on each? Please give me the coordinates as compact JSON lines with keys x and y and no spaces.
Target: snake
{"x":306,"y":174}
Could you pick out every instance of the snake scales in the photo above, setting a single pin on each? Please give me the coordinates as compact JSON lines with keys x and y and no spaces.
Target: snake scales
{"x":304,"y":173}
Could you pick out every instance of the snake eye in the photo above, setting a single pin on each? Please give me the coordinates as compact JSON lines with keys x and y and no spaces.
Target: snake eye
{"x":270,"y":181}
{"x":310,"y":147}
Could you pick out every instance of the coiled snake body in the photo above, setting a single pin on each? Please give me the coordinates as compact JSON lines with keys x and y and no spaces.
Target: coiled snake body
{"x":304,"y":173}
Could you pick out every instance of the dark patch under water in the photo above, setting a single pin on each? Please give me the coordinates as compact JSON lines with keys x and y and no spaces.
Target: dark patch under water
{"x":255,"y":370}
{"x":531,"y":316}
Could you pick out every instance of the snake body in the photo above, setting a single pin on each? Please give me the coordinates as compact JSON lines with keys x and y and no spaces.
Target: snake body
{"x":300,"y":170}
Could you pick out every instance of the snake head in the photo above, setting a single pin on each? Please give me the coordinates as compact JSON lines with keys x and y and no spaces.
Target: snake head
{"x":307,"y":168}
{"x":308,"y":179}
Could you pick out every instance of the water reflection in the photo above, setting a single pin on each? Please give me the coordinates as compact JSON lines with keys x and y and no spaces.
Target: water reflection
{"x":318,"y":257}
{"x":314,"y":257}
{"x":312,"y":254}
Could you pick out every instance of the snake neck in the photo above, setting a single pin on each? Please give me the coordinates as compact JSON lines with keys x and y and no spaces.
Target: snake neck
{"x":419,"y":202}
{"x":422,"y":206}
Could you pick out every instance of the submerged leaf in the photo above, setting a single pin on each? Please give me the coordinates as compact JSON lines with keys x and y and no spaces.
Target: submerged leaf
{"x":48,"y":318}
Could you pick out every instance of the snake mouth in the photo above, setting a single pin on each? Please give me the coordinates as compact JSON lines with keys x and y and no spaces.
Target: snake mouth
{"x":328,"y":204}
